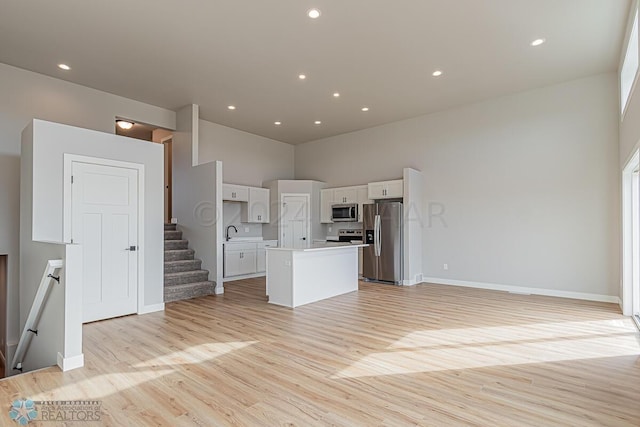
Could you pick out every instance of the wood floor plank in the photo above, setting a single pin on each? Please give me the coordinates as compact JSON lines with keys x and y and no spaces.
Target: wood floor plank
{"x":427,"y":355}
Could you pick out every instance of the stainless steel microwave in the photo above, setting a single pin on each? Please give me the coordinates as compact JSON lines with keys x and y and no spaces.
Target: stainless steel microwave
{"x":344,"y":213}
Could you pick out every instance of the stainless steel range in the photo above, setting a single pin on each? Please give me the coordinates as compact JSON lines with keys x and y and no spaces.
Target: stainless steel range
{"x":345,"y":235}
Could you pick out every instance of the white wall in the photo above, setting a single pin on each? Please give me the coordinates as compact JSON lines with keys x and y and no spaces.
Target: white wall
{"x":197,"y":195}
{"x":528,"y":185}
{"x":51,"y":141}
{"x":27,"y":95}
{"x":45,"y":346}
{"x":248,"y":159}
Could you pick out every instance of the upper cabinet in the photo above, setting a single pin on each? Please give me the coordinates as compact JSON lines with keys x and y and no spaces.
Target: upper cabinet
{"x":257,"y":208}
{"x":235,"y":193}
{"x":345,"y":195}
{"x":337,"y":196}
{"x":386,"y":189}
{"x":326,"y":201}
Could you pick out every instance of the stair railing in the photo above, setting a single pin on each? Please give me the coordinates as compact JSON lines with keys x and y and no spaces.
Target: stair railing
{"x":31,"y":325}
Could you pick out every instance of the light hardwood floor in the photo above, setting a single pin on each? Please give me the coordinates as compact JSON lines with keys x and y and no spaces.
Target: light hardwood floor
{"x":425,"y":355}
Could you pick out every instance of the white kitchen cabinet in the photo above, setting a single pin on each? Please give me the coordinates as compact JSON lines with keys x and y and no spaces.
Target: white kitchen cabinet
{"x":235,"y":193}
{"x":239,"y":259}
{"x":256,"y":210}
{"x":362,"y":199}
{"x":326,"y":201}
{"x":386,"y":189}
{"x":345,"y":195}
{"x":261,"y":254}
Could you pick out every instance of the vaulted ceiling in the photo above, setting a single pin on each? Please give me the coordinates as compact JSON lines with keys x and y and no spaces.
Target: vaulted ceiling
{"x":375,"y":53}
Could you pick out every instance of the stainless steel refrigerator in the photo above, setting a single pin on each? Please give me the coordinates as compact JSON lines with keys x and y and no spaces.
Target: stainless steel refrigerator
{"x":382,"y":224}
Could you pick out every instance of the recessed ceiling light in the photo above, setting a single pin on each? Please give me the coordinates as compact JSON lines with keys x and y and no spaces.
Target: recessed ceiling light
{"x":537,"y":42}
{"x":317,"y":122}
{"x":313,"y":13}
{"x":336,"y":95}
{"x":64,"y":67}
{"x":231,"y":107}
{"x":124,"y":124}
{"x":277,"y":123}
{"x":302,"y":76}
{"x":365,"y":108}
{"x":436,"y":73}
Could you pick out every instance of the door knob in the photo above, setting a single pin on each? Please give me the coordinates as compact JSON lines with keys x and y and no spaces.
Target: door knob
{"x":131,"y":248}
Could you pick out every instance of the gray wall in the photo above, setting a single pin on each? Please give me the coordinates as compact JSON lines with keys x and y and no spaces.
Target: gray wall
{"x":27,"y":95}
{"x":528,"y":184}
{"x":247,"y":159}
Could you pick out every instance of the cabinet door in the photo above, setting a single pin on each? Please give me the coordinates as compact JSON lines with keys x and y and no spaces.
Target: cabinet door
{"x":362,"y":199}
{"x":259,"y":205}
{"x":395,"y":189}
{"x":248,"y":261}
{"x":345,"y":195}
{"x":236,"y":193}
{"x":232,"y":263}
{"x":326,"y":200}
{"x":386,"y":189}
{"x":376,"y":190}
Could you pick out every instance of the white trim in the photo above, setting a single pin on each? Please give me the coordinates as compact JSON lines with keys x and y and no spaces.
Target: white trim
{"x":153,"y":308}
{"x":522,"y":290}
{"x":69,"y":159}
{"x":69,"y":363}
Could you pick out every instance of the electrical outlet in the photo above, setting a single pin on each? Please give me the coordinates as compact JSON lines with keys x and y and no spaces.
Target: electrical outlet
{"x":174,"y":220}
{"x":246,"y":229}
{"x":330,"y":228}
{"x":445,"y":266}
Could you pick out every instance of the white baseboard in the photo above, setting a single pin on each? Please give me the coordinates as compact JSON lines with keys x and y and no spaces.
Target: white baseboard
{"x":522,"y":290}
{"x":219,"y":290}
{"x":151,"y":308}
{"x":69,"y":363}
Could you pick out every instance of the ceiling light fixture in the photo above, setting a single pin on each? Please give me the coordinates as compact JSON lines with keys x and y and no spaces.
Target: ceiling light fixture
{"x":537,"y":42}
{"x":124,"y":124}
{"x":64,"y":67}
{"x":365,"y":109}
{"x":313,"y":13}
{"x":302,"y":76}
{"x":436,"y":73}
{"x":277,"y":123}
{"x":336,"y":95}
{"x":317,"y":122}
{"x":231,"y":107}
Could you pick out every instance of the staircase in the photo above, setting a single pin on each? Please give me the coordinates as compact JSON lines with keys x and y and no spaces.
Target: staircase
{"x":183,"y":276}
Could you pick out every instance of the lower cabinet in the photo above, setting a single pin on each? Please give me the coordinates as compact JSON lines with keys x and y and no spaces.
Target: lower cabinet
{"x":241,"y":259}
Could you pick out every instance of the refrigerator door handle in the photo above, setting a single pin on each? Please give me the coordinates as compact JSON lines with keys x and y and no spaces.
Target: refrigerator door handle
{"x":377,"y":235}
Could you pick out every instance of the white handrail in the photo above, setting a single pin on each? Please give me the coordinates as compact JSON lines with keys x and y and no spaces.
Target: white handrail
{"x":31,"y":325}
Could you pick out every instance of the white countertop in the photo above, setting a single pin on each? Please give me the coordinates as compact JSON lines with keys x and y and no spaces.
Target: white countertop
{"x":320,"y":247}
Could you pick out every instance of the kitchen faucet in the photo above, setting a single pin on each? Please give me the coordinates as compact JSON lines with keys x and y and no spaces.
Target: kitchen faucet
{"x":231,"y":226}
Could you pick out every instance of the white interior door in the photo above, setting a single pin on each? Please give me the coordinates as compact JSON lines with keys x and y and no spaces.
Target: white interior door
{"x":294,"y":225}
{"x":104,"y":203}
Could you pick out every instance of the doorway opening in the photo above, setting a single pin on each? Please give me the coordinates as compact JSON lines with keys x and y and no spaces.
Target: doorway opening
{"x":631,"y":238}
{"x":158,"y":135}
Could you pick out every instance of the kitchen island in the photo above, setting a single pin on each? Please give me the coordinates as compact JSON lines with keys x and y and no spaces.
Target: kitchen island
{"x":297,"y":276}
